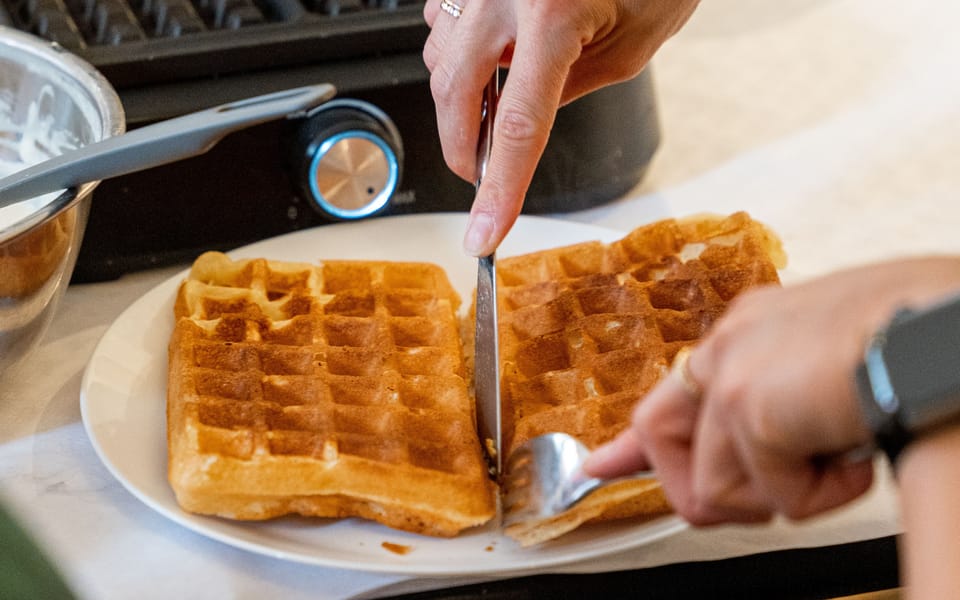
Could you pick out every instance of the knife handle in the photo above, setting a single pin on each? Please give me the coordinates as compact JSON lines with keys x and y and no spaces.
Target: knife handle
{"x":488,"y":110}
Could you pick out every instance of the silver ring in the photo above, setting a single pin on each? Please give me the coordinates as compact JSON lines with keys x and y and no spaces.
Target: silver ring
{"x":451,"y":8}
{"x":681,"y":367}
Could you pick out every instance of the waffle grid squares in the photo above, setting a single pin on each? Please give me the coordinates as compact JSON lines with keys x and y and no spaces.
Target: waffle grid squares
{"x":344,"y":363}
{"x":589,"y":328}
{"x":277,"y":370}
{"x":340,"y":389}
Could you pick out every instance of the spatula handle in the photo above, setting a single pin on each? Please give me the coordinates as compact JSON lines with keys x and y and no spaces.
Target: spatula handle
{"x":157,"y":144}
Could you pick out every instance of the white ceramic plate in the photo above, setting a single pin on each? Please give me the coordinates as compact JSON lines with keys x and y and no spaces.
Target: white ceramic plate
{"x":123,"y":399}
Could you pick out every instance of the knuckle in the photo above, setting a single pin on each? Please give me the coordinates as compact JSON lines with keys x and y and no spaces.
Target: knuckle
{"x":704,"y":496}
{"x":492,"y":199}
{"x":697,"y":511}
{"x":442,"y":86}
{"x":431,"y":51}
{"x":520,"y":125}
{"x":731,"y":393}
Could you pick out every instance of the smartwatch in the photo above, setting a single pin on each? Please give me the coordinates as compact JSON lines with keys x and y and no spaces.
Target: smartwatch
{"x":909,"y":380}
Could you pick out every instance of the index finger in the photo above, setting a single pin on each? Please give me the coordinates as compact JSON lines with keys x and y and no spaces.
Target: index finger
{"x":674,"y":412}
{"x":621,"y":456}
{"x":525,"y":115}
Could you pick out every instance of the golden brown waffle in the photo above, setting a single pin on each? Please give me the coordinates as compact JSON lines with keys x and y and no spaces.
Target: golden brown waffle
{"x":587,"y":330}
{"x":340,"y":389}
{"x":334,"y":390}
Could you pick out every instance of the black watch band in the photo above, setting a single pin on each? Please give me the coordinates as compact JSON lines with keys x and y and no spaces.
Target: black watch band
{"x":909,"y":380}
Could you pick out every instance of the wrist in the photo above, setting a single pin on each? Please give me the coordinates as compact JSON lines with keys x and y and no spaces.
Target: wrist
{"x":930,"y":485}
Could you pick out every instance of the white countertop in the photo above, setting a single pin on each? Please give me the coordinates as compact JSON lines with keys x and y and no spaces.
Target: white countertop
{"x":835,"y":121}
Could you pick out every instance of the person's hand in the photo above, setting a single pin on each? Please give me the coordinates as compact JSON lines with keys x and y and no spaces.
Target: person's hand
{"x":557,"y":51}
{"x":760,"y":418}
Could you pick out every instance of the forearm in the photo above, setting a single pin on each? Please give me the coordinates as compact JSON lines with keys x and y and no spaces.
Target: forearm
{"x":929,"y":476}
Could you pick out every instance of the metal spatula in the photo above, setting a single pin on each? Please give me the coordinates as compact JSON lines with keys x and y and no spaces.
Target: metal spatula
{"x":157,"y":144}
{"x":543,"y":478}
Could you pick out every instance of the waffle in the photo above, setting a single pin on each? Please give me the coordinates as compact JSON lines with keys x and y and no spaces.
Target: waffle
{"x":335,"y":390}
{"x":340,"y":389}
{"x":586,"y":330}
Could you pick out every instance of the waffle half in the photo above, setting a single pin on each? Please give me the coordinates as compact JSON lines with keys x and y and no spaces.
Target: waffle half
{"x":334,"y":390}
{"x":586,"y":330}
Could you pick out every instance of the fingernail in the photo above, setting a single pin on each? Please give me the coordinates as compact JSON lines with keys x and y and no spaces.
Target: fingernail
{"x":479,"y":231}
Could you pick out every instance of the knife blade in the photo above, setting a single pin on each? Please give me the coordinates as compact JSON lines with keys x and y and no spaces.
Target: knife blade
{"x":486,"y":341}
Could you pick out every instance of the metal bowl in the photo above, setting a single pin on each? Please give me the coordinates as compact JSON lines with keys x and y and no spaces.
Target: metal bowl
{"x":50,"y":102}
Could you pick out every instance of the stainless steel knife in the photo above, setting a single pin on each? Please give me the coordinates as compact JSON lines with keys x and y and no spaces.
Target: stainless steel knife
{"x":487,"y":344}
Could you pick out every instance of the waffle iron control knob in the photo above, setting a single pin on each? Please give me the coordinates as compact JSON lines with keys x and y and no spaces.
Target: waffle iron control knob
{"x":348,"y":159}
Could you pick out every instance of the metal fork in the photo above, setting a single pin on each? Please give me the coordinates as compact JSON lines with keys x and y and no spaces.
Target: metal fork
{"x":543,"y":478}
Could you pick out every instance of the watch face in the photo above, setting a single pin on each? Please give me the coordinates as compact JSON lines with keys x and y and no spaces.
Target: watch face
{"x":921,"y":352}
{"x":876,"y":412}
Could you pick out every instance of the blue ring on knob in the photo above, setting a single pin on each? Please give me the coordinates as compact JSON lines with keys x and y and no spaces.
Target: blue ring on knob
{"x":380,"y":200}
